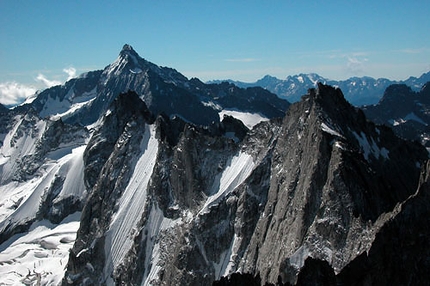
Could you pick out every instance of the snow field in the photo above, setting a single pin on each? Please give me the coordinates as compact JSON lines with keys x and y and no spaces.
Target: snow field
{"x":249,"y":119}
{"x":119,"y":238}
{"x":239,"y":168}
{"x":72,"y":169}
{"x":39,"y":256}
{"x":12,"y":150}
{"x":157,"y":223}
{"x":330,"y":130}
{"x":20,"y":201}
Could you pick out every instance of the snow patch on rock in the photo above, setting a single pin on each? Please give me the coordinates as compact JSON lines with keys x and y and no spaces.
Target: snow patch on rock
{"x":249,"y":119}
{"x":119,"y":238}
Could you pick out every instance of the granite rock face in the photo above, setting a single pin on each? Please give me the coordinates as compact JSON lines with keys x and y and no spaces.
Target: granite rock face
{"x":178,"y":204}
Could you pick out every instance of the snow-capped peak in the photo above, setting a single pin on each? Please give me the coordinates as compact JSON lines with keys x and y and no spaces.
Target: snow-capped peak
{"x":128,"y":61}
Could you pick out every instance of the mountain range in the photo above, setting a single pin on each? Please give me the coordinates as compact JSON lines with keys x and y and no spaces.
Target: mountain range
{"x":136,"y":175}
{"x":357,"y":90}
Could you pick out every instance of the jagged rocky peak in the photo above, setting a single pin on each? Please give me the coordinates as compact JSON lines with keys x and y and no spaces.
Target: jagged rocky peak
{"x":334,"y":174}
{"x":396,"y":92}
{"x":124,"y":110}
{"x":128,"y":61}
{"x":128,"y":49}
{"x":405,"y":111}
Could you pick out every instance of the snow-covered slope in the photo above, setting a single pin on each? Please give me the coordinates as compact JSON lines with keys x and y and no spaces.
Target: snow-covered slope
{"x":131,"y":205}
{"x":39,"y":256}
{"x":41,"y":191}
{"x":249,"y":119}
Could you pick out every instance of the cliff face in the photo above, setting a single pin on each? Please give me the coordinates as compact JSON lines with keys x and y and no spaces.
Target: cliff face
{"x":407,"y":112}
{"x":333,"y":175}
{"x":180,"y":204}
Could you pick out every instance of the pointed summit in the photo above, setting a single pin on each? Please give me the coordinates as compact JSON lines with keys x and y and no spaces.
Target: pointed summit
{"x":128,"y":50}
{"x":128,"y":61}
{"x":127,"y":47}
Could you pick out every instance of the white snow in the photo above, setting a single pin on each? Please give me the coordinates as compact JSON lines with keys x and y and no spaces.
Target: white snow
{"x":238,"y":169}
{"x":116,"y":67}
{"x":71,"y":110}
{"x":157,"y":223}
{"x":72,"y":169}
{"x":328,"y":129}
{"x":370,"y":148}
{"x":396,"y":122}
{"x":55,"y":108}
{"x":18,"y":143}
{"x":298,"y":258}
{"x":40,"y":256}
{"x":213,"y":105}
{"x":136,"y":70}
{"x":249,"y":119}
{"x":20,"y":201}
{"x":226,"y":265}
{"x":119,"y":238}
{"x":410,"y":116}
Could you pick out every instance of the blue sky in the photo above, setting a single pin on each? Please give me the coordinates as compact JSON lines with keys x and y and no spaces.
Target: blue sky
{"x":46,"y":42}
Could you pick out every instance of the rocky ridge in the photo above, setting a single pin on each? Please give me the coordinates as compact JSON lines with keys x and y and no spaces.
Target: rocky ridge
{"x":317,"y":185}
{"x":357,"y":90}
{"x":407,"y":112}
{"x":164,"y":90}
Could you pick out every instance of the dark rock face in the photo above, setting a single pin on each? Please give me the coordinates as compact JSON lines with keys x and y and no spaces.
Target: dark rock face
{"x":112,"y":154}
{"x":103,"y":142}
{"x":328,"y":189}
{"x":400,"y":252}
{"x":407,"y":112}
{"x":316,"y":272}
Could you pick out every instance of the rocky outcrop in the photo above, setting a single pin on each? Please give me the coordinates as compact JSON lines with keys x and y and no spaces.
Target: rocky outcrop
{"x":399,"y":254}
{"x":333,"y":175}
{"x":407,"y":112}
{"x":289,"y":201}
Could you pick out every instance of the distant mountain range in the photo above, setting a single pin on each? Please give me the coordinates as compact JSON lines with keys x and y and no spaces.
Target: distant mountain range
{"x":357,"y":90}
